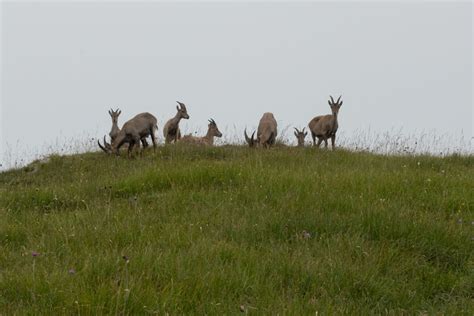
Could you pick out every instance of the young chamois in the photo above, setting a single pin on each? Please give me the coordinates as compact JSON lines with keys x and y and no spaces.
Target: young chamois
{"x":266,"y":132}
{"x":139,"y":127}
{"x":171,"y":130}
{"x":115,"y":130}
{"x":300,"y":136}
{"x":208,"y":140}
{"x":325,"y":126}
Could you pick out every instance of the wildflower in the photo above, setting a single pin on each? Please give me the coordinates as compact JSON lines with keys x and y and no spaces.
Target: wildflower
{"x":71,"y":271}
{"x":126,"y":258}
{"x":242,"y":308}
{"x":35,"y":254}
{"x":305,"y":235}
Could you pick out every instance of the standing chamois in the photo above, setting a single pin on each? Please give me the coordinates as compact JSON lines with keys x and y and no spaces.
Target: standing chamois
{"x":266,"y":132}
{"x":135,"y":129}
{"x":300,"y":136}
{"x":171,"y":130}
{"x":325,"y":126}
{"x":208,"y":140}
{"x":115,"y":130}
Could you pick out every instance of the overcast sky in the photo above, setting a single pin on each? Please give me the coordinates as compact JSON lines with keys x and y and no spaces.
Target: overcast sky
{"x":399,"y":65}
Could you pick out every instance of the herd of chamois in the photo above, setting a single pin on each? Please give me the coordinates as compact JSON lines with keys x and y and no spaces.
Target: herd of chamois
{"x":137,"y":129}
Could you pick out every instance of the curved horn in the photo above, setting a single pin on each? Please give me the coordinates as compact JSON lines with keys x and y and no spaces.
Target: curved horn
{"x":296,"y":130}
{"x":102,"y":147}
{"x":247,"y":139}
{"x":107,"y":145}
{"x":332,"y":100}
{"x":339,"y":99}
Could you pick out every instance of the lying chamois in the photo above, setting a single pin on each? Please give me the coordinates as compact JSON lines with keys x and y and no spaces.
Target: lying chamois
{"x":325,"y":126}
{"x":266,"y":132}
{"x":208,"y":140}
{"x":300,"y":136}
{"x":139,"y":127}
{"x":171,"y":130}
{"x":115,"y":130}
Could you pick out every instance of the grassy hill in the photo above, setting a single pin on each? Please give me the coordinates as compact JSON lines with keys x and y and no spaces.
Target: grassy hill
{"x":230,"y":229}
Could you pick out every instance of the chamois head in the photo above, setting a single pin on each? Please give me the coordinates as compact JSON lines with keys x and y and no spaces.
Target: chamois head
{"x":300,"y":135}
{"x":335,"y":106}
{"x":114,"y":115}
{"x":250,"y":140}
{"x":212,"y":129}
{"x":182,"y":112}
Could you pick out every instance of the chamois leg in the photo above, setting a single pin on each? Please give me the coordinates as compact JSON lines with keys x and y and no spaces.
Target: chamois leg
{"x":325,"y":142}
{"x":333,"y":141}
{"x":314,"y":139}
{"x":144,"y":142}
{"x":320,"y":140}
{"x":153,"y":140}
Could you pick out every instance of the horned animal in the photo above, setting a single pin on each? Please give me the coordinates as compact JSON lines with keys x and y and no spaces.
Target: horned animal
{"x":208,"y":140}
{"x":325,"y":126}
{"x":139,"y":127}
{"x":266,"y":132}
{"x":300,"y":136}
{"x":115,"y":130}
{"x":171,"y":130}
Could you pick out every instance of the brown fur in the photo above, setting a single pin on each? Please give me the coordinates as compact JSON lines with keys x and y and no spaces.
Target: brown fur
{"x":325,"y":126}
{"x":300,"y":136}
{"x":266,"y":132}
{"x":139,"y":127}
{"x":171,"y":130}
{"x":208,"y":140}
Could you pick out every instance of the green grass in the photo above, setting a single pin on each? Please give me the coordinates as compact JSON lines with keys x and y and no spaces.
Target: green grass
{"x":208,"y":230}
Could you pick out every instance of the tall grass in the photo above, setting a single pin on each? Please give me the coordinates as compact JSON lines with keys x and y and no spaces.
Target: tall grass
{"x":225,"y":230}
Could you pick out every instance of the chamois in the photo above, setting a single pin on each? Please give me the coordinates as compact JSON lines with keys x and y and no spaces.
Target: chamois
{"x":325,"y":126}
{"x":300,"y":136}
{"x":115,"y":130}
{"x":171,"y":130}
{"x":208,"y":140}
{"x":132,"y":131}
{"x":266,"y":132}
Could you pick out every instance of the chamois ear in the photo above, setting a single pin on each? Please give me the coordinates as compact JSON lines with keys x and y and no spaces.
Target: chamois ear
{"x":305,"y":133}
{"x":119,"y":112}
{"x":296,"y":134}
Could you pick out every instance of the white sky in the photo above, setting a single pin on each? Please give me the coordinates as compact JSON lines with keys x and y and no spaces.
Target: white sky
{"x":400,"y":65}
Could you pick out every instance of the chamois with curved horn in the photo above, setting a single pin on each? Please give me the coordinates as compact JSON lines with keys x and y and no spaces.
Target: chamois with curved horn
{"x":300,"y":136}
{"x":250,"y":140}
{"x":267,"y":130}
{"x":171,"y":130}
{"x":135,"y":129}
{"x":325,"y":126}
{"x":115,"y":130}
{"x":208,"y":139}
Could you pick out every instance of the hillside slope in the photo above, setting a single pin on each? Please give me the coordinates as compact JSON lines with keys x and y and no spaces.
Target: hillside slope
{"x":230,"y":229}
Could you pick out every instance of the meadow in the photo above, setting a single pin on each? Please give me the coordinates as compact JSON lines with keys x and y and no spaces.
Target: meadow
{"x":230,"y":230}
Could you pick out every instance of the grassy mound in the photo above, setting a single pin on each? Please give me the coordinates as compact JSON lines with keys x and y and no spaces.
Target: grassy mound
{"x":231,"y":229}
